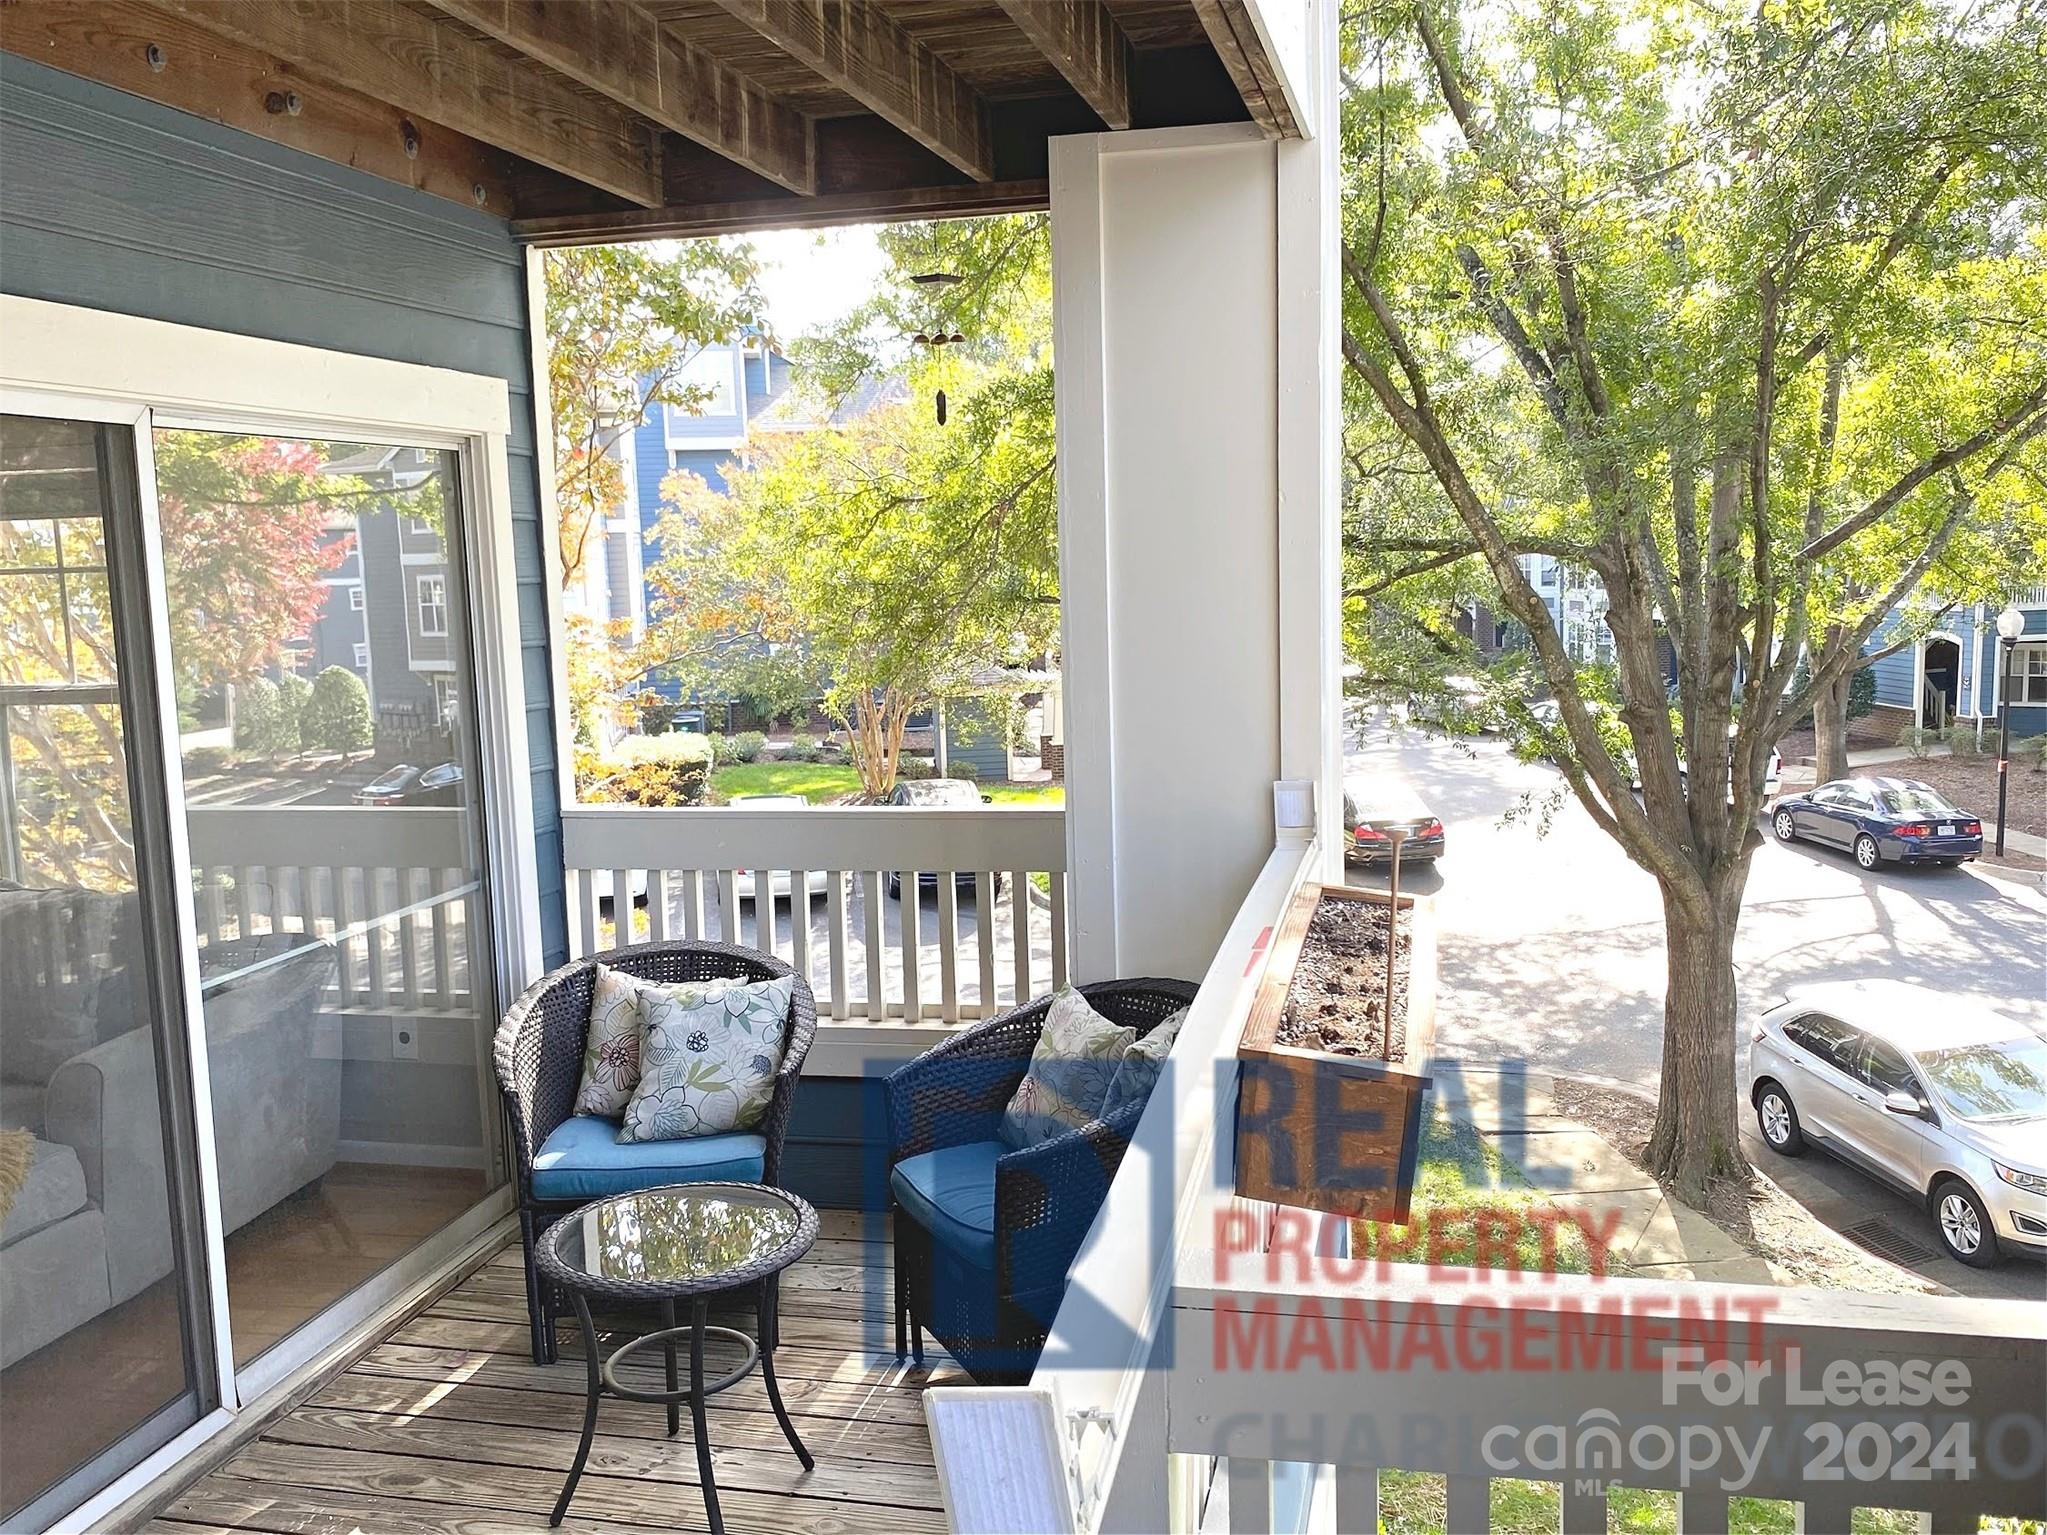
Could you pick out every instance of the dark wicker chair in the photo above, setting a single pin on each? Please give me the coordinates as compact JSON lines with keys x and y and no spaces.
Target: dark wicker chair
{"x":1046,"y":1196}
{"x":539,"y":1059}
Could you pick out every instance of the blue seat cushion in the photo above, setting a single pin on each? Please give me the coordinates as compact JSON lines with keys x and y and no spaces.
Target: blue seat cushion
{"x":950,"y":1192}
{"x":584,"y":1160}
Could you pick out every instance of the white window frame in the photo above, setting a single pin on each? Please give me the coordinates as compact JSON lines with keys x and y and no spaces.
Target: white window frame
{"x":93,"y":364}
{"x":362,"y":655}
{"x":356,"y":601}
{"x":439,"y":605}
{"x":2029,"y":666}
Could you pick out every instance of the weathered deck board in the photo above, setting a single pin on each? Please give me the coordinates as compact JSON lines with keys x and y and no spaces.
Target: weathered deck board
{"x":447,"y":1427}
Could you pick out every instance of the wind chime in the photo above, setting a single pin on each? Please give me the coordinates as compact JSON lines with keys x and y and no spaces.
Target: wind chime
{"x":936,"y":283}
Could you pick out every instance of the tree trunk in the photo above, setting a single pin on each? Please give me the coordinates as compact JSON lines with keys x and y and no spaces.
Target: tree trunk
{"x":1697,"y":1138}
{"x":1830,"y":730}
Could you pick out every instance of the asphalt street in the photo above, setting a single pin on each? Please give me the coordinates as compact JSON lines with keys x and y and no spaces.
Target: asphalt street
{"x":1551,"y":946}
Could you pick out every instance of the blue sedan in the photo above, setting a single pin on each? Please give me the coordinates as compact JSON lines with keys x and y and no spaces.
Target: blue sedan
{"x":1879,"y":820}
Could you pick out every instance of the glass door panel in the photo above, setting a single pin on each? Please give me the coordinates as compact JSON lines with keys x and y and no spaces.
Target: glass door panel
{"x":93,"y":1289}
{"x":320,"y":654}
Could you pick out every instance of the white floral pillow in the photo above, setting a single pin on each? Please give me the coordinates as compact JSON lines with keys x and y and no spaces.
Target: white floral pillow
{"x":707,"y":1063}
{"x":611,"y":1050}
{"x":1068,"y":1079}
{"x":1138,"y":1072}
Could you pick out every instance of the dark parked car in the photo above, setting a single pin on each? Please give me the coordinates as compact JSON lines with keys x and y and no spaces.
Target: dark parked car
{"x":408,"y":785}
{"x":1375,"y":813}
{"x":1881,"y":820}
{"x":950,"y":793}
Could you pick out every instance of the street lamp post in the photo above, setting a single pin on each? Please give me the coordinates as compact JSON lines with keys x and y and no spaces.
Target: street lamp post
{"x":2011,"y":623}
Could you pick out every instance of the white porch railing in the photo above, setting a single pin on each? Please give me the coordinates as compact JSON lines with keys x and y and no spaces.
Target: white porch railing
{"x":987,"y":927}
{"x":1303,"y":1378}
{"x":2033,"y":597}
{"x":389,"y":887}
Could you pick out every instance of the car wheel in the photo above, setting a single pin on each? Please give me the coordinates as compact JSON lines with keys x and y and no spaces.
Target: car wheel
{"x":1867,"y":854}
{"x":1778,"y":1121}
{"x":1965,"y":1229}
{"x":1782,"y":824}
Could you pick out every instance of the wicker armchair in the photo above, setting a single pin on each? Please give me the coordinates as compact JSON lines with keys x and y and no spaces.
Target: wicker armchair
{"x":539,"y":1059}
{"x":994,"y":1320}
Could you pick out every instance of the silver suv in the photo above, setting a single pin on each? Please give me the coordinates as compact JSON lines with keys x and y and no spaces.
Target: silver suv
{"x":1907,"y":1084}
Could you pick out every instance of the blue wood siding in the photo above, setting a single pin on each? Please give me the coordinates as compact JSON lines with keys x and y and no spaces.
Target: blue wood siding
{"x":111,"y":202}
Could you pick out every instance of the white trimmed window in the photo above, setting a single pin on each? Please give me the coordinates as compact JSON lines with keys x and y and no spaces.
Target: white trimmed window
{"x":433,"y":606}
{"x":355,"y":599}
{"x":362,"y":658}
{"x":2029,"y":675}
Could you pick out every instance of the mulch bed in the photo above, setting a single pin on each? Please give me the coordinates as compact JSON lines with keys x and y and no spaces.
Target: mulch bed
{"x":1971,"y":782}
{"x":1756,"y":1212}
{"x":1799,"y":746}
{"x":1337,"y":999}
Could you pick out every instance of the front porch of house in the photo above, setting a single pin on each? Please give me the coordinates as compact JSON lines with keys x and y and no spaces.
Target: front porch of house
{"x":285,"y":226}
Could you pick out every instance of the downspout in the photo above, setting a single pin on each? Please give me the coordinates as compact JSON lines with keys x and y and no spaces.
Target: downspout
{"x":1976,"y":671}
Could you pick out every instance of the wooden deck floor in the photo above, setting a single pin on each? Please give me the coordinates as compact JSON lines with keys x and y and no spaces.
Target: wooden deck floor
{"x":447,"y":1427}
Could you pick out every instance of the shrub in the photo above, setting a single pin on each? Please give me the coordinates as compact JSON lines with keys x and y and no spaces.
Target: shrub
{"x":665,"y":770}
{"x":965,"y":770}
{"x":1862,"y":693}
{"x":2031,"y":750}
{"x":1919,"y":741}
{"x":336,"y":717}
{"x":1961,"y":740}
{"x":258,"y":717}
{"x":804,"y":748}
{"x":745,"y":747}
{"x":292,"y":693}
{"x":914,"y":769}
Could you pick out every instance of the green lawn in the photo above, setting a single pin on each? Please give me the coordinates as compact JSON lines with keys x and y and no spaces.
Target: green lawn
{"x":823,"y":782}
{"x":818,"y":782}
{"x":1412,"y":1503}
{"x":1459,"y":1174}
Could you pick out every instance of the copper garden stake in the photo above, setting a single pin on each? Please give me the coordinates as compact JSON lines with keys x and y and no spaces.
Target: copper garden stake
{"x":1399,"y":835}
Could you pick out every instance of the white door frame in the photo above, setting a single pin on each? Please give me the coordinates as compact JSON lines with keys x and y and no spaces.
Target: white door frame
{"x":96,"y":365}
{"x":1919,"y":674}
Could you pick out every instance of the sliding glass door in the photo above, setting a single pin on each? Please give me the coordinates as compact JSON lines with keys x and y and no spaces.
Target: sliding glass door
{"x":100,"y":1326}
{"x":248,"y":969}
{"x":319,"y":649}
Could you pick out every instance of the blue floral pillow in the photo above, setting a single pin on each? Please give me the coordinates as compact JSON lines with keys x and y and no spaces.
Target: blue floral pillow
{"x":1068,"y":1079}
{"x":707,"y":1063}
{"x":1138,"y":1072}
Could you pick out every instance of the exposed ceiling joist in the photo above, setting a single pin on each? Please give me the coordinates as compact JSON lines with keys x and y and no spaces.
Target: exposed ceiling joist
{"x":621,"y":52}
{"x":825,"y":211}
{"x":1235,"y":39}
{"x":387,"y":51}
{"x":1085,"y":45}
{"x":853,"y":45}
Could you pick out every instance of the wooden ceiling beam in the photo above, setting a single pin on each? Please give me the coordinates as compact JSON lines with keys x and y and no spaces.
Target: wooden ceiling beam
{"x":621,"y":52}
{"x":1086,"y":46}
{"x":1235,"y":39}
{"x":866,"y":55}
{"x":385,"y":50}
{"x":824,"y":211}
{"x":197,"y":70}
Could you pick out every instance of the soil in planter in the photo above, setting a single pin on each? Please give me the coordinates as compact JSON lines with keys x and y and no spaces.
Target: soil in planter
{"x":1337,"y":999}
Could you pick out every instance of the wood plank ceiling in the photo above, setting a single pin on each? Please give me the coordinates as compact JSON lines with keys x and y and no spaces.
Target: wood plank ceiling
{"x":614,"y":119}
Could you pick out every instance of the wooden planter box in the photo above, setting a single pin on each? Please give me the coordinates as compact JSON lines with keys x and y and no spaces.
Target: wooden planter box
{"x":1336,"y":1133}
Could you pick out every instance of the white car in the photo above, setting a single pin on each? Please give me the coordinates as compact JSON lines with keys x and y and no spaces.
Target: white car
{"x":744,"y":880}
{"x":1945,"y":1102}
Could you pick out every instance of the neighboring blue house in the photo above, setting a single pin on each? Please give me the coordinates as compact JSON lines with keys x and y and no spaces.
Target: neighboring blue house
{"x":1952,"y":673}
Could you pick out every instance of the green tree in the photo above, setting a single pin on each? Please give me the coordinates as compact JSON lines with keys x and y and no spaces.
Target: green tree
{"x":1744,"y":312}
{"x":337,"y":712}
{"x":894,"y":556}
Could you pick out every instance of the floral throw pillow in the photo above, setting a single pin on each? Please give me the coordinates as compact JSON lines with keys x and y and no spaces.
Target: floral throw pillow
{"x":1138,"y":1072}
{"x":611,"y":1050}
{"x":1068,"y":1079}
{"x":707,"y":1063}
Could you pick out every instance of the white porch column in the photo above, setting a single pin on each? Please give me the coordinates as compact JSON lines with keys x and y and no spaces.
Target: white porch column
{"x":1194,"y":304}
